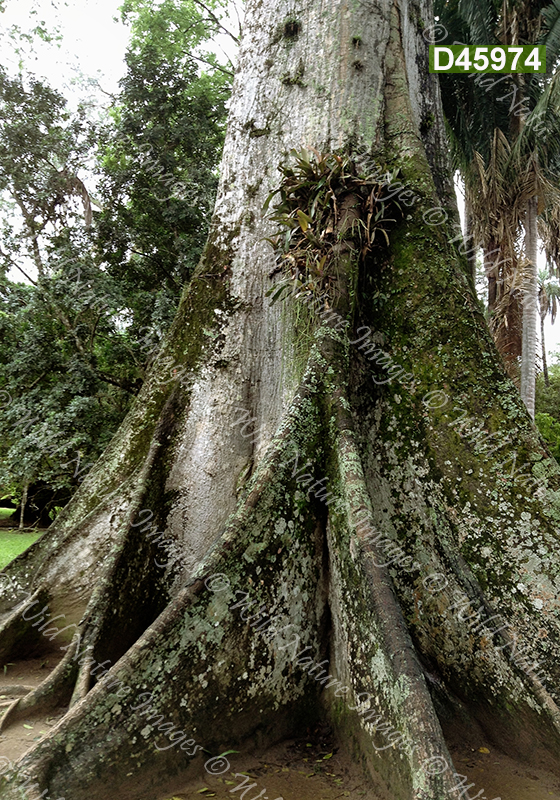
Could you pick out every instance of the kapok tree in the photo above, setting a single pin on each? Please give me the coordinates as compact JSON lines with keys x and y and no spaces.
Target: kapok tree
{"x":393,"y":517}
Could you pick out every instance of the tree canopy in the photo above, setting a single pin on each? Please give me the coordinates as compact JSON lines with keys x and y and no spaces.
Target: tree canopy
{"x":104,"y":222}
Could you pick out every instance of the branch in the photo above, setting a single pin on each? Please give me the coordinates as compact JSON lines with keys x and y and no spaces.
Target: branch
{"x":216,"y":20}
{"x":30,"y":222}
{"x":35,"y":382}
{"x":17,"y":266}
{"x":159,"y":264}
{"x":131,"y":388}
{"x":230,"y":62}
{"x":238,"y":18}
{"x":214,"y":66}
{"x":94,"y":331}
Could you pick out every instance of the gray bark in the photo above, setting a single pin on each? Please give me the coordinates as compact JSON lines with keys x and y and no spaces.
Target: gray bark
{"x":543,"y":351}
{"x":23,"y":504}
{"x":530,"y":292}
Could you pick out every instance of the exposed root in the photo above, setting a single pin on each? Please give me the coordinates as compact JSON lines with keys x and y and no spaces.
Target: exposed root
{"x":54,"y":691}
{"x":189,"y":643}
{"x":369,"y":628}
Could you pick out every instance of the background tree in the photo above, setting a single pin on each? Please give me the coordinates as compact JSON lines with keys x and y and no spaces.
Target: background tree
{"x":160,"y":157}
{"x":104,"y":285}
{"x":505,"y":142}
{"x":549,"y":291}
{"x":62,"y":346}
{"x":443,"y":468}
{"x":547,"y":415}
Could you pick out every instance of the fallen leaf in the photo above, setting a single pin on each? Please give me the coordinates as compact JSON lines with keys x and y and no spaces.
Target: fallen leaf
{"x":29,"y":727}
{"x":483,"y":750}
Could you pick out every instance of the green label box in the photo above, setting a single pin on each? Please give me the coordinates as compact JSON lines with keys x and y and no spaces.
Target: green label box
{"x":487,"y":58}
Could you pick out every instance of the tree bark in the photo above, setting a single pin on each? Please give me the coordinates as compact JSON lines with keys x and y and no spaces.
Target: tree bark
{"x":543,"y":350}
{"x":492,"y":273}
{"x":529,"y":344}
{"x":377,"y":523}
{"x":469,"y":239}
{"x":23,"y":504}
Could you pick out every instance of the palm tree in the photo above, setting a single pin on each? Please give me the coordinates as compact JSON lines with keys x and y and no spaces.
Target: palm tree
{"x":549,"y":294}
{"x":505,"y":140}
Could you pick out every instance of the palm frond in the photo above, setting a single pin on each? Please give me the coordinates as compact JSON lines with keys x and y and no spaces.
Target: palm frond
{"x":549,"y":234}
{"x":551,"y":34}
{"x":541,"y":130}
{"x":481,"y":18}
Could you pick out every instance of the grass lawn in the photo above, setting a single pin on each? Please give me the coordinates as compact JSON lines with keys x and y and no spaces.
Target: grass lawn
{"x":6,"y":512}
{"x":13,"y":543}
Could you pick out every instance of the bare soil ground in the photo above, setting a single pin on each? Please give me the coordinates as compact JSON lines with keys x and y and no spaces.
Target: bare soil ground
{"x":21,"y":736}
{"x":312,"y":767}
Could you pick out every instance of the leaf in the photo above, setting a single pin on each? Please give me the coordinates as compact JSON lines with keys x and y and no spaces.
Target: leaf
{"x":321,"y":265}
{"x":329,"y":755}
{"x":268,"y":200}
{"x":29,"y":727}
{"x":277,"y":294}
{"x":483,"y":750}
{"x":304,"y":219}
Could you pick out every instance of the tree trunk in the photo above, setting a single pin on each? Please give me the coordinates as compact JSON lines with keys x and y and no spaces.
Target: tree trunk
{"x":529,"y":345}
{"x":469,"y":237}
{"x":490,"y":258}
{"x":314,"y":507}
{"x":543,"y":349}
{"x":23,"y":504}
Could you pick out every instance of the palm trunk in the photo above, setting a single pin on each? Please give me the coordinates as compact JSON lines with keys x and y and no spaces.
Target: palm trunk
{"x":469,"y":238}
{"x":490,"y":259}
{"x":543,"y":349}
{"x":310,"y":505}
{"x":529,"y":343}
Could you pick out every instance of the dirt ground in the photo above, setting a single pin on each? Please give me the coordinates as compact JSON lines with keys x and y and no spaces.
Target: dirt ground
{"x":312,"y":767}
{"x":289,"y":773}
{"x":14,"y":678}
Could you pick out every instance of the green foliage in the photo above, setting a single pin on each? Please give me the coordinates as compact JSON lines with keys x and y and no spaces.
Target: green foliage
{"x":476,"y":105}
{"x":551,"y":18}
{"x":104,"y":276}
{"x":547,"y":405}
{"x":67,"y":364}
{"x":547,"y":398}
{"x":64,"y":390}
{"x":313,"y":218}
{"x":42,"y":148}
{"x":159,"y":159}
{"x":550,"y":430}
